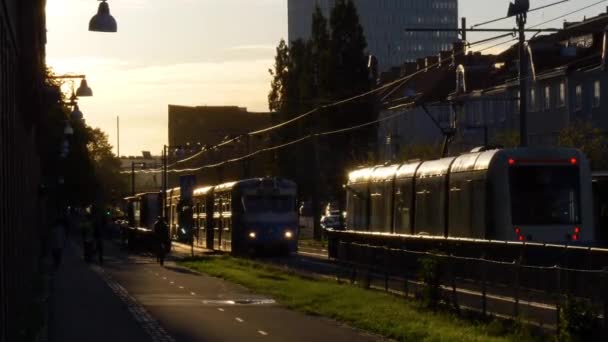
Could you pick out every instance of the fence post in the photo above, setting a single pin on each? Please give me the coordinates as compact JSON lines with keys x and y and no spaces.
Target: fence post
{"x":451,"y":264}
{"x":353,"y":275}
{"x":341,"y":259}
{"x":605,"y":299}
{"x":484,"y":288}
{"x":369,"y":261}
{"x":406,"y":288}
{"x":517,"y":264}
{"x":558,"y":282}
{"x":386,"y":267}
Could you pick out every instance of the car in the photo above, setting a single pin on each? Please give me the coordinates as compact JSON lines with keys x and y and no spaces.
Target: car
{"x":332,"y":220}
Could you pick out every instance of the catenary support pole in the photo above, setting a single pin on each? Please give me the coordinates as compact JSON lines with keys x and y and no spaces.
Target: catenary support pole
{"x":523,"y":78}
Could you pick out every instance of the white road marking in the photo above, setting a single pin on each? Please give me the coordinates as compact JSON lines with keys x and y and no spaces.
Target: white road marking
{"x":262,"y":332}
{"x":220,"y":309}
{"x":171,"y":283}
{"x":181,"y":287}
{"x":192,"y":293}
{"x":164,"y":278}
{"x":240,"y":320}
{"x":149,"y":324}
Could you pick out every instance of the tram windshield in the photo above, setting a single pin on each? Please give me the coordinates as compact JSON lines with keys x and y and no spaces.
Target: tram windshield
{"x":264,"y":203}
{"x":542,"y":195}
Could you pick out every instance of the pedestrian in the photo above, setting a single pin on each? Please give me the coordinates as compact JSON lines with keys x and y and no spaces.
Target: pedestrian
{"x":161,"y":234}
{"x":57,"y":241}
{"x":88,"y":244}
{"x":98,"y":235}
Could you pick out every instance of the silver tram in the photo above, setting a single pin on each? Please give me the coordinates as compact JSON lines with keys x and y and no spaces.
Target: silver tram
{"x":526,"y":194}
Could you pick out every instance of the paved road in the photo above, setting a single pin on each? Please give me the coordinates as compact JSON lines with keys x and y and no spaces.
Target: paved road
{"x":174,"y":304}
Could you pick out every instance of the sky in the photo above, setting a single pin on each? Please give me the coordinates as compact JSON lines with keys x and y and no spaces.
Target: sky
{"x":195,"y":52}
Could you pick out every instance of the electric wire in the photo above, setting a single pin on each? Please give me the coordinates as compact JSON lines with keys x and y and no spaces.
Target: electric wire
{"x":570,"y":13}
{"x":397,"y":82}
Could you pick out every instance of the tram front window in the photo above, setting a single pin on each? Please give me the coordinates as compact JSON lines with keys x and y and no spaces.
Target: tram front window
{"x":275,"y":204}
{"x":545,"y":195}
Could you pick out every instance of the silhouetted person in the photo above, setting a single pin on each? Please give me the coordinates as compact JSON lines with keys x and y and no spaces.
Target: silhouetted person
{"x":161,"y":234}
{"x":57,"y":241}
{"x":98,"y":235}
{"x":88,"y":237}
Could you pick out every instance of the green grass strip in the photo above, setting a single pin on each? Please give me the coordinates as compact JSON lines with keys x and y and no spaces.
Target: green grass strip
{"x":373,"y":311}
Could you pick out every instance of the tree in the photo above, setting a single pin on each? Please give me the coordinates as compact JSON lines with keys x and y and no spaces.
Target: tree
{"x":589,"y":139}
{"x":331,"y":66}
{"x":507,"y":139}
{"x":420,"y":151}
{"x":106,"y":164}
{"x":278,"y":86}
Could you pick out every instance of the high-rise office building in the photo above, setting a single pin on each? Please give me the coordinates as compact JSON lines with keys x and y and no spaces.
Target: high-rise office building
{"x":383,"y":22}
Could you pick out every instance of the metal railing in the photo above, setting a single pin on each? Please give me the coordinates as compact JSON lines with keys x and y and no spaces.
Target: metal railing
{"x":491,"y":287}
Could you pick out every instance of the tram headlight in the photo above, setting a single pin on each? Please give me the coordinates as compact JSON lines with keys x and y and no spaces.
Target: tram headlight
{"x":288,"y":235}
{"x":252,"y":235}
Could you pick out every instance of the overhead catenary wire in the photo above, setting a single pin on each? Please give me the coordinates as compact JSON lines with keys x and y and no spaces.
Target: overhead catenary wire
{"x":281,"y":146}
{"x":305,"y":138}
{"x":532,"y":10}
{"x":344,"y":130}
{"x":396,"y":83}
{"x":570,"y":13}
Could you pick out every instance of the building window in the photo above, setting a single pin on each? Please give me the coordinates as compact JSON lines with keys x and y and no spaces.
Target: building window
{"x":596,"y":94}
{"x":562,"y":94}
{"x":578,"y":101}
{"x":547,"y":102}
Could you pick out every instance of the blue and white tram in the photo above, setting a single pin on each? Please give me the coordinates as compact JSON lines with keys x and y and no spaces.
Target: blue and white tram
{"x":527,"y":194}
{"x":249,"y":215}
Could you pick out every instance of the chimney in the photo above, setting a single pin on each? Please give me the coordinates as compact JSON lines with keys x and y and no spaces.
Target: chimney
{"x":459,"y":50}
{"x":421,"y":64}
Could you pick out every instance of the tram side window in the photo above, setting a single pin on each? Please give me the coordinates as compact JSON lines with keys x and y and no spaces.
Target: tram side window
{"x":460,"y":222}
{"x":403,"y":206}
{"x":377,"y":219}
{"x":356,"y":199}
{"x":430,"y":202}
{"x":388,"y":206}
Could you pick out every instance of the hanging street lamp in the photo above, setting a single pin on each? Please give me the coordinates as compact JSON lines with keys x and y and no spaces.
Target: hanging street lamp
{"x":103,"y":21}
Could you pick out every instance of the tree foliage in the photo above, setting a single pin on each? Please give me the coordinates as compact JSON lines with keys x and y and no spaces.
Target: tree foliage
{"x":90,"y":172}
{"x":330,"y":66}
{"x":589,"y":139}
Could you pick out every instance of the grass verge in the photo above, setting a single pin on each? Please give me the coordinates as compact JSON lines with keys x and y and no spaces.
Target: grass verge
{"x":376,"y":312}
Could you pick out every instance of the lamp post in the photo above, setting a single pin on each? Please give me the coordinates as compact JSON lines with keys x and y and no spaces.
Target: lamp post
{"x":82,"y":91}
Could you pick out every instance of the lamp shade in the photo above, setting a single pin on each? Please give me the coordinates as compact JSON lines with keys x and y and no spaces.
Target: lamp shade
{"x":103,"y":21}
{"x":77,"y":114}
{"x":84,"y":90}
